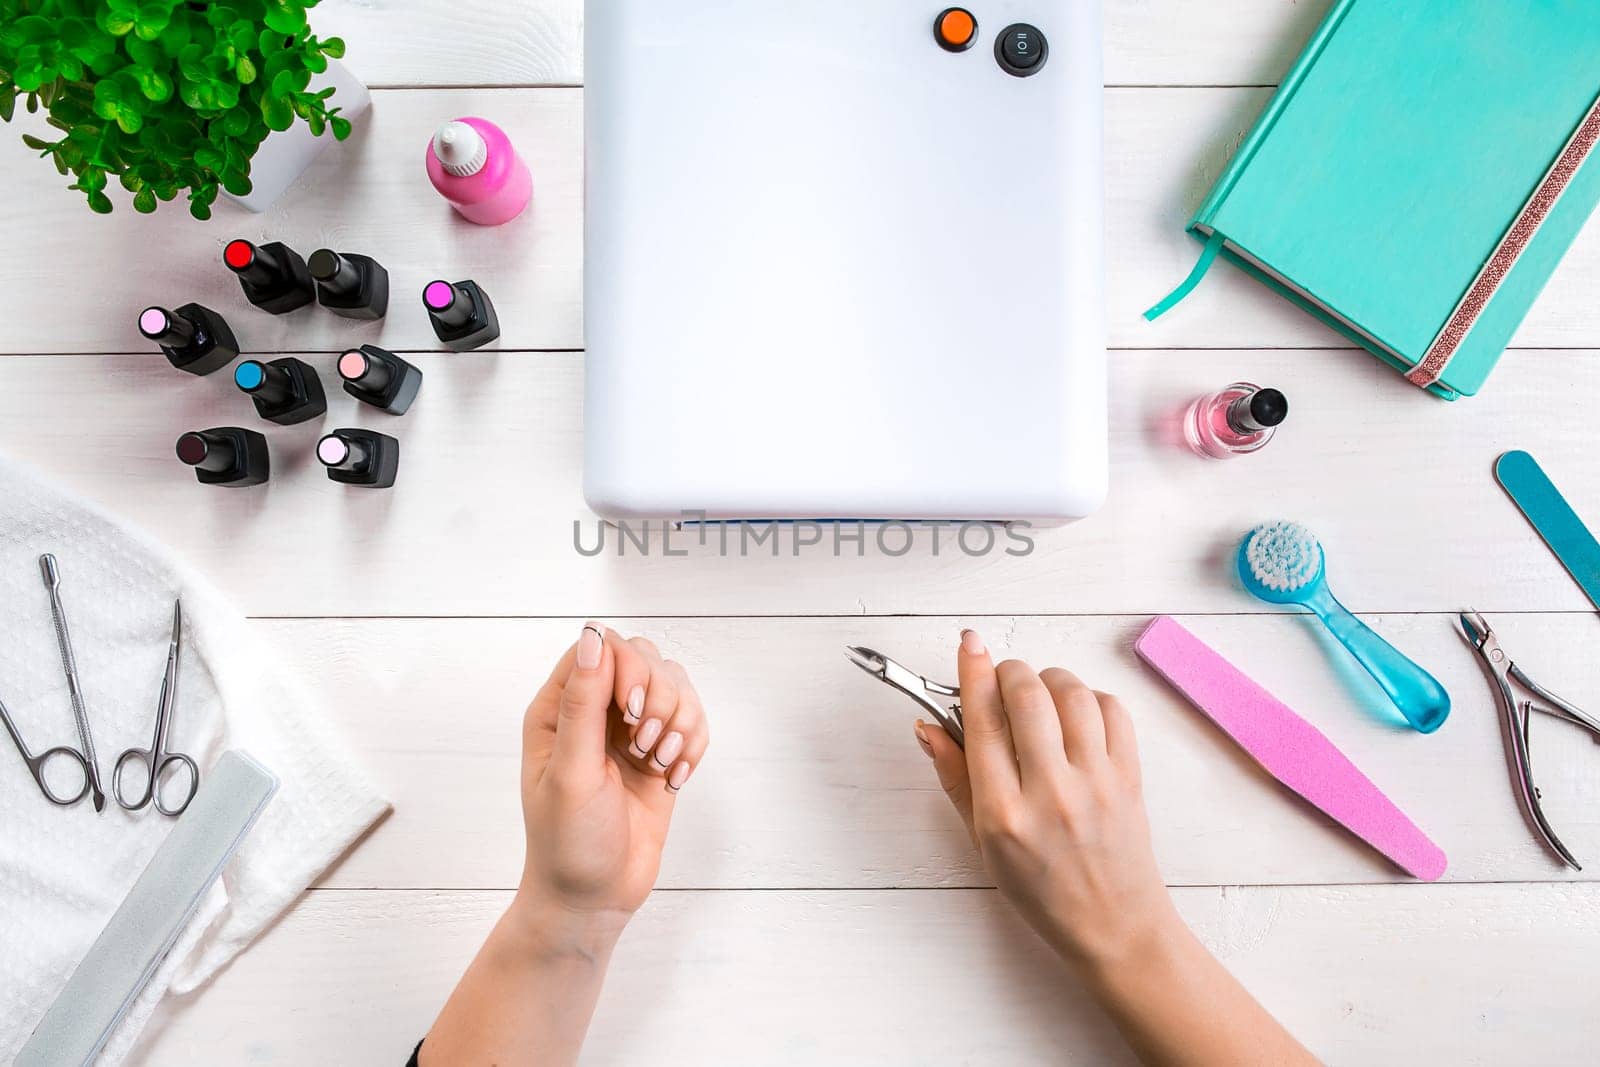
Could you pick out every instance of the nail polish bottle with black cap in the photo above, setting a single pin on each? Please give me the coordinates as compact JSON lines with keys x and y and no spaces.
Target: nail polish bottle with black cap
{"x":378,"y":377}
{"x":1237,"y":421}
{"x":273,"y":276}
{"x":286,"y":391}
{"x":356,"y":287}
{"x":461,"y":314}
{"x":226,"y":456}
{"x":194,"y":339}
{"x":363,"y":458}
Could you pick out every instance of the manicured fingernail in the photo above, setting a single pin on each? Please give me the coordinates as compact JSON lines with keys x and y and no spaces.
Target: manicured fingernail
{"x":922,"y":739}
{"x":670,"y":748}
{"x":635,"y":704}
{"x":971,"y":643}
{"x":647,"y":736}
{"x":679,"y":775}
{"x":590,"y":645}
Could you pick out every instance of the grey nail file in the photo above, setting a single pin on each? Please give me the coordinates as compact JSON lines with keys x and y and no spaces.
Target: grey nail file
{"x":154,"y":914}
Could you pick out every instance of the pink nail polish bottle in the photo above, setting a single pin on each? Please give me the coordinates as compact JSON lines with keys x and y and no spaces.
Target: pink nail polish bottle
{"x":472,"y":163}
{"x":1235,"y":422}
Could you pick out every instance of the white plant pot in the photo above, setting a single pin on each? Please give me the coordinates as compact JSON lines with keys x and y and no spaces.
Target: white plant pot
{"x":285,"y":154}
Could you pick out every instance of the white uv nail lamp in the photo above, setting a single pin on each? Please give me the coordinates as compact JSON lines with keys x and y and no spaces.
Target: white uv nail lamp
{"x":844,"y":259}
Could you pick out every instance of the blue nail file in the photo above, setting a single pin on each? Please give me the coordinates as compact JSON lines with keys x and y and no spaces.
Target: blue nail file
{"x":1533,"y":491}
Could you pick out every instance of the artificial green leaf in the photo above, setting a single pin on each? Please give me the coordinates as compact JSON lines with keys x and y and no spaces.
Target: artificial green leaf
{"x":144,"y":201}
{"x":130,"y":120}
{"x":285,"y":16}
{"x":73,"y":33}
{"x":282,"y":85}
{"x":155,"y":85}
{"x":37,"y":143}
{"x":200,"y":210}
{"x":116,"y":23}
{"x":33,"y":103}
{"x":105,"y":64}
{"x":28,"y":79}
{"x":190,"y":63}
{"x":92,"y":181}
{"x":35,"y":28}
{"x":236,"y":183}
{"x":211,"y":159}
{"x":146,"y":53}
{"x":317,"y":123}
{"x":150,"y":20}
{"x":107,"y":98}
{"x":236,"y":122}
{"x":131,"y":181}
{"x":176,"y":37}
{"x":100,"y":203}
{"x":70,"y":68}
{"x":277,"y":113}
{"x":316,"y":62}
{"x":8,"y":103}
{"x":340,"y":127}
{"x":333,"y":47}
{"x":61,"y":164}
{"x":246,"y":70}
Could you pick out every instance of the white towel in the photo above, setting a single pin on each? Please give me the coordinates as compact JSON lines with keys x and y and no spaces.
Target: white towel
{"x":63,"y":871}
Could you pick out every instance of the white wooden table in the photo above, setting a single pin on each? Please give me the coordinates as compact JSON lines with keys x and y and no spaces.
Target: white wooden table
{"x":819,"y":901}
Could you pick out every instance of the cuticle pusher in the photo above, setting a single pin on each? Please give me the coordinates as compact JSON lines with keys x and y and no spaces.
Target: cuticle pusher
{"x":51,"y":573}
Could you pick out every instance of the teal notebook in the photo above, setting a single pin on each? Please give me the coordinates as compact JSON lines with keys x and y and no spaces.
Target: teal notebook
{"x":1419,"y":175}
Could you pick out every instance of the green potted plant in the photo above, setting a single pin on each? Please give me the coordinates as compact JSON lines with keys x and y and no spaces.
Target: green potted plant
{"x":174,"y":97}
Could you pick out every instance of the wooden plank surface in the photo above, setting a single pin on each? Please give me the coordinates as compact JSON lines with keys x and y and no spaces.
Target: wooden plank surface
{"x":1459,"y":975}
{"x":1164,"y":149}
{"x":822,"y":903}
{"x":540,"y":42}
{"x":814,"y":779}
{"x":1398,"y":486}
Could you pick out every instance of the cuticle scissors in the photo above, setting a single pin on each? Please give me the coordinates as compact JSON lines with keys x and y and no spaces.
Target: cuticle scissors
{"x":37,"y":764}
{"x":914,"y":686}
{"x":1517,"y":715}
{"x":157,"y":760}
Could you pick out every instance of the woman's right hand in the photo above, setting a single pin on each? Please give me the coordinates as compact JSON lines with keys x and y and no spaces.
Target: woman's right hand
{"x":1049,"y":788}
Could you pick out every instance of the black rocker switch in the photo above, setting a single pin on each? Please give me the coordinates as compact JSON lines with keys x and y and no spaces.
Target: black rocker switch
{"x":1021,"y":50}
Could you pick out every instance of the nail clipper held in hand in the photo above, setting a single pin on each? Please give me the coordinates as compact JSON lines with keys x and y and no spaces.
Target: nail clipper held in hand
{"x":914,"y":686}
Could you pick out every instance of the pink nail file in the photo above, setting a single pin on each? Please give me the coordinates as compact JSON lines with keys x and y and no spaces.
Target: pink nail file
{"x":1291,"y":749}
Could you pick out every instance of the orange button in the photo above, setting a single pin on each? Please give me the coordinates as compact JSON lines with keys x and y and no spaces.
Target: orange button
{"x":956,"y":29}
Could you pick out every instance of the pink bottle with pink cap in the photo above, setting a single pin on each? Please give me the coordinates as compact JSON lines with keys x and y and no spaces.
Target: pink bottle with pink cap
{"x":474,"y":166}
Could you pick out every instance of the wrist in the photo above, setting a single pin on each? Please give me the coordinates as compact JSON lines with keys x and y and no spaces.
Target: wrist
{"x":548,"y":930}
{"x":1153,"y":946}
{"x":1130,"y":941}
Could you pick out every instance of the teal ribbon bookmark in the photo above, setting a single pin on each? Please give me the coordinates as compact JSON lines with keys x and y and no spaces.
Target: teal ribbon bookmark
{"x":1544,"y":506}
{"x":1173,"y":299}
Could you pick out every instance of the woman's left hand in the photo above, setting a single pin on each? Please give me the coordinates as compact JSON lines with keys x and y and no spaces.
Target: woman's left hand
{"x":608,"y":742}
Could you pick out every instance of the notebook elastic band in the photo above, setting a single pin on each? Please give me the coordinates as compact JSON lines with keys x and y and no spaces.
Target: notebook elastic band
{"x":1209,"y":256}
{"x":1510,"y":250}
